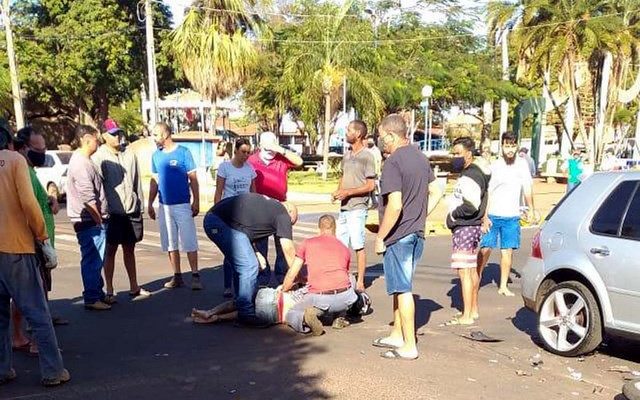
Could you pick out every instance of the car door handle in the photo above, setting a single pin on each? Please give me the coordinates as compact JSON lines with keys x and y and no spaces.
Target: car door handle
{"x":600,"y":251}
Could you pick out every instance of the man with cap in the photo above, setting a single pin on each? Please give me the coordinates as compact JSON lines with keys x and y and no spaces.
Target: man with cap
{"x":123,"y":189}
{"x":272,"y":163}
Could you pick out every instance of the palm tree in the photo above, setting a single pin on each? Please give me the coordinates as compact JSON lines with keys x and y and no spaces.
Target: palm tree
{"x":316,"y":69}
{"x":216,"y":48}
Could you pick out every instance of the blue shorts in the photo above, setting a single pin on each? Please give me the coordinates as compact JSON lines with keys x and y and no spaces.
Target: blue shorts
{"x":504,"y":229}
{"x":350,"y":229}
{"x":400,"y":261}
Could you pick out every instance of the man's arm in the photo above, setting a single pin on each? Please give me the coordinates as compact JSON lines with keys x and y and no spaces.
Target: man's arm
{"x":195,"y":191}
{"x":87,"y":194}
{"x":138,"y":183}
{"x":30,"y":208}
{"x":389,"y":219}
{"x":289,"y":251}
{"x":435,"y":194}
{"x":293,"y":157}
{"x":367,"y":188}
{"x":292,"y":274}
{"x":153,"y":192}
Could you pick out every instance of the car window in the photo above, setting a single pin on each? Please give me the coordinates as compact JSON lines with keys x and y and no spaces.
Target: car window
{"x":631,"y":225}
{"x":48,"y":161}
{"x":608,"y":219}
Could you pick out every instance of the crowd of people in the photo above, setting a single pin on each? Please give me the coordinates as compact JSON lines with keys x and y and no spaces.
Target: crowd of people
{"x":310,"y":286}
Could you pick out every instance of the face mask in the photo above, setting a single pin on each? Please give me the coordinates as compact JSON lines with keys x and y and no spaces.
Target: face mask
{"x":36,"y":158}
{"x":457,"y":164}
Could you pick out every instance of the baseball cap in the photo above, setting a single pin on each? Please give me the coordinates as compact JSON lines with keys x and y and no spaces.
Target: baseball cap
{"x":111,"y":127}
{"x":267,"y":138}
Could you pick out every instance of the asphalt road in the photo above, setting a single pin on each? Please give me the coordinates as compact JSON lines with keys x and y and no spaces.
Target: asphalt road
{"x":150,"y":350}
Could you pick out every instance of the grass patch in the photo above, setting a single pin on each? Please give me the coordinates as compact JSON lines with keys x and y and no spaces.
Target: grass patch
{"x":311,"y":182}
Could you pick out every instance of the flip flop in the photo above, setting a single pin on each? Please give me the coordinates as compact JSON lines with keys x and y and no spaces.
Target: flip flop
{"x":394,"y":355}
{"x":379,"y":342}
{"x":479,"y":336}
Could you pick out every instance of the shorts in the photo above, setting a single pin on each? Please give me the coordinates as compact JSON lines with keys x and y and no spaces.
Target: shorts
{"x":504,"y":229}
{"x":466,"y":241}
{"x":267,"y":305}
{"x":400,"y":261}
{"x":350,"y":228}
{"x":125,"y":229}
{"x":177,"y":228}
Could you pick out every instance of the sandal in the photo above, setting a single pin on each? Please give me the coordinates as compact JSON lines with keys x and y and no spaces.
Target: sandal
{"x":140,"y":293}
{"x":379,"y":342}
{"x":109,"y":299}
{"x":394,"y":355}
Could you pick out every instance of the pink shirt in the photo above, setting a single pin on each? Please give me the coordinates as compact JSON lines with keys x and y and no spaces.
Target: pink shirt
{"x":327,"y":261}
{"x":271,"y":179}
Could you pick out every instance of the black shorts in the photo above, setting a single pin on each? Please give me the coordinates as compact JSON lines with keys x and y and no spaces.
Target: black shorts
{"x":124,"y":229}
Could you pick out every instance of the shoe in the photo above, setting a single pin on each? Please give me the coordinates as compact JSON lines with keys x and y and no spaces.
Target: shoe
{"x":9,"y":377}
{"x":140,"y":294}
{"x":109,"y":299}
{"x":64,"y":377}
{"x":98,"y":306}
{"x":251,"y":322}
{"x":312,"y":321}
{"x":340,"y":323}
{"x":175,"y":282}
{"x":196,"y":284}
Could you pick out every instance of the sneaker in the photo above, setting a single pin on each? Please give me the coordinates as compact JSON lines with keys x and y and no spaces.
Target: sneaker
{"x":175,"y":282}
{"x":9,"y":377}
{"x":64,"y":377}
{"x":98,"y":306}
{"x":196,"y":284}
{"x":340,"y":323}
{"x":312,"y":321}
{"x":251,"y":322}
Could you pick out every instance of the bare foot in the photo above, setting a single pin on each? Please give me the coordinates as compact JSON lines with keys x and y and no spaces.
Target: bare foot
{"x":205,"y":314}
{"x":388,"y":342}
{"x":204,"y":320}
{"x":505,"y":292}
{"x":474,"y":315}
{"x":460,"y":321}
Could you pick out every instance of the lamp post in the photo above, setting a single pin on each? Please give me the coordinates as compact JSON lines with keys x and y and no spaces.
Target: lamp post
{"x":427,"y":91}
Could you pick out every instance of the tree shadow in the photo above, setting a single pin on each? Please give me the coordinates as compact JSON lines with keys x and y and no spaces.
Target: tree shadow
{"x":148,"y":349}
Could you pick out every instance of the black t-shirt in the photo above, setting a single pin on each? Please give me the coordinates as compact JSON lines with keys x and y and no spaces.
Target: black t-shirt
{"x":255,"y":215}
{"x":408,"y":171}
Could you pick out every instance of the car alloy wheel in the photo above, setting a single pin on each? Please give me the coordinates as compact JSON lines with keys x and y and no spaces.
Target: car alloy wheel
{"x":569,"y":320}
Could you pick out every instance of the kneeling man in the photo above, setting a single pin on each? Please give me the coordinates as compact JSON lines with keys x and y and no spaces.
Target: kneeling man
{"x":330,"y":290}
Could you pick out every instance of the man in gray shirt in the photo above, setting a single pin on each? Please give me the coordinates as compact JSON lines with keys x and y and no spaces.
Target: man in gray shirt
{"x":87,"y":209}
{"x":354,"y":189}
{"x":123,"y":188}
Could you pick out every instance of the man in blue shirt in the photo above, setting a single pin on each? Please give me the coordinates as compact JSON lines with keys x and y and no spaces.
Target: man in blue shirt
{"x":174,"y":175}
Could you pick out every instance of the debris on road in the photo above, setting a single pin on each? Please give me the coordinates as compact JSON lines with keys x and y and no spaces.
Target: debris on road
{"x":479,"y":336}
{"x":536,"y":360}
{"x":520,"y":372}
{"x":575,"y":375}
{"x":597,"y":390}
{"x":623,"y":369}
{"x":471,"y":380}
{"x":493,"y":361}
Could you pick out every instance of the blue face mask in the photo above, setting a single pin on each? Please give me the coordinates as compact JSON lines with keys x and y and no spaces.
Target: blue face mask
{"x":457,"y":164}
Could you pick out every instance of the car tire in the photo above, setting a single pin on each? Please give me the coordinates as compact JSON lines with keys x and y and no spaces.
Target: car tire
{"x":53,"y":191}
{"x":569,"y":321}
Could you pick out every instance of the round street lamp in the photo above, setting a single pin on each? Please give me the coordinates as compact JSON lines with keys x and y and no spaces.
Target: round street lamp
{"x":427,"y":91}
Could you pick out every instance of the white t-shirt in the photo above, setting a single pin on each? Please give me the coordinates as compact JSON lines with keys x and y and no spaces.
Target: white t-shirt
{"x":236,"y":180}
{"x":506,"y":186}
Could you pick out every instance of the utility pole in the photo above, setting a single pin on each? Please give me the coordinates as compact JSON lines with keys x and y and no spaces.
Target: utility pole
{"x":151,"y":65}
{"x":13,"y":69}
{"x":504,"y":105}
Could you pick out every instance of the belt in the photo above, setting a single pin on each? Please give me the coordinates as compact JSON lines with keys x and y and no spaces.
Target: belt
{"x":336,"y":291}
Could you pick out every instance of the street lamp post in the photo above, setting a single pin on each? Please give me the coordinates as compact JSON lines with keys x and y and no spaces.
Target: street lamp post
{"x":427,"y":91}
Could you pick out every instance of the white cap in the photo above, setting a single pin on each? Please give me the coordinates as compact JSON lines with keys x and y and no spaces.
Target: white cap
{"x":267,"y":138}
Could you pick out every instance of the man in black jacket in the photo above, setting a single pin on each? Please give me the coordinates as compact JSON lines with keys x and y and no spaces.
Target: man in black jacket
{"x":466,"y":211}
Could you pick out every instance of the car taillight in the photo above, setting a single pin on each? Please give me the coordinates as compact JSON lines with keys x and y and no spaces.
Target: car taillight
{"x":536,"y":250}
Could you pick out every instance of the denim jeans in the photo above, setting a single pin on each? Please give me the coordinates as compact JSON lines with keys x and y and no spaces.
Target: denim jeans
{"x":20,"y":280}
{"x":280,"y":268}
{"x":92,"y":243}
{"x":238,"y":253}
{"x":400,"y":261}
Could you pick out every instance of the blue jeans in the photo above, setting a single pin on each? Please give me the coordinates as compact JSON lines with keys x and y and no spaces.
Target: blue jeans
{"x":400,"y":261}
{"x":238,"y":253}
{"x":280,"y":268}
{"x":20,"y":280}
{"x":92,"y":243}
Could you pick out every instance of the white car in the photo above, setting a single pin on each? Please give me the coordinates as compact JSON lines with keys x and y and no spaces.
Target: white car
{"x":53,"y":174}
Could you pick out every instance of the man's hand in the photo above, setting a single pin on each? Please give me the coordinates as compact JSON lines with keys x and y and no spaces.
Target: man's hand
{"x":195,"y":208}
{"x":151,"y":211}
{"x":486,"y":225}
{"x":261,"y":261}
{"x":55,"y":206}
{"x":273,"y":147}
{"x":380,"y":247}
{"x":360,"y":284}
{"x":340,"y":194}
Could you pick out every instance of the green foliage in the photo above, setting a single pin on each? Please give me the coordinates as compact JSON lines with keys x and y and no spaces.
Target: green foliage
{"x":128,"y":117}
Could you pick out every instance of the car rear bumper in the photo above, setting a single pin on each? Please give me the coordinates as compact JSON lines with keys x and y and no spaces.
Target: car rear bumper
{"x":532,"y":276}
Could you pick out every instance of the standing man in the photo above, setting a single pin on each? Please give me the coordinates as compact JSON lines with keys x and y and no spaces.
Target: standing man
{"x":377,"y":155}
{"x":22,"y":225}
{"x":174,"y":173}
{"x":404,"y":190}
{"x":354,"y":188}
{"x":123,"y":189}
{"x":272,"y":163}
{"x":466,"y":212}
{"x":574,"y":167}
{"x":235,"y":225}
{"x":510,"y":179}
{"x":87,"y":209}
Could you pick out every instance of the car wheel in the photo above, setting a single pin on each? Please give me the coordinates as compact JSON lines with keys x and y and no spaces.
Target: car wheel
{"x":53,"y":191}
{"x":569,"y":320}
{"x":631,"y":390}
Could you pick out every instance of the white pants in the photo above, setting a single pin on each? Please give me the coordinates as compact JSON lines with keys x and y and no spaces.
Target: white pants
{"x":177,"y":228}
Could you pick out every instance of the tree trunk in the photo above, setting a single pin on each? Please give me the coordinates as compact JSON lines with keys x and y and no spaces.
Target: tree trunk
{"x":325,"y":146}
{"x":213,"y":113}
{"x":574,"y":98}
{"x":100,"y":109}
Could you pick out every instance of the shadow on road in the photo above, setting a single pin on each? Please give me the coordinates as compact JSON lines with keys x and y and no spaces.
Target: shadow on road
{"x":149,"y":350}
{"x":424,"y":309}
